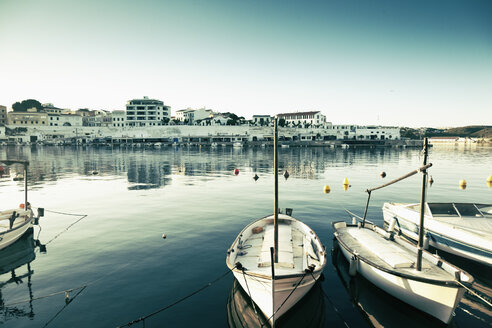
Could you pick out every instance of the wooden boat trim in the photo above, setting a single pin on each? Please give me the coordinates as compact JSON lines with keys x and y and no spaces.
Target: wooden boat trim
{"x":403,"y":275}
{"x":18,"y":227}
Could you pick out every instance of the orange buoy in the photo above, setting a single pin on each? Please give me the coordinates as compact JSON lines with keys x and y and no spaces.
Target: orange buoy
{"x":21,"y":205}
{"x":236,"y":171}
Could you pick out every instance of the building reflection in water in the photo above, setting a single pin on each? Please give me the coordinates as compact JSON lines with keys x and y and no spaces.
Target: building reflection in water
{"x":154,"y":168}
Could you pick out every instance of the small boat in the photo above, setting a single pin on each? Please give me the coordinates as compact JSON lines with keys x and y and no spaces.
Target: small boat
{"x":399,"y":267}
{"x":15,"y":222}
{"x":276,"y":259}
{"x":462,"y":229}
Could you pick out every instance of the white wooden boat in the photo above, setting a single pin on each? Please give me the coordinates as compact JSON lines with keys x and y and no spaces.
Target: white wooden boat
{"x":390,"y":264}
{"x":15,"y":222}
{"x":276,"y":259}
{"x":462,"y":229}
{"x":400,"y":268}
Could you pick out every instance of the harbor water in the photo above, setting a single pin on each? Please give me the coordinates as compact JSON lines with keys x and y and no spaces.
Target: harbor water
{"x":107,"y":211}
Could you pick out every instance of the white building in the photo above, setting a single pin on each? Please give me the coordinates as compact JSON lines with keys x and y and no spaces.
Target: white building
{"x":190,"y":116}
{"x":65,"y":120}
{"x":261,"y":120}
{"x":369,"y":132}
{"x":118,"y":117}
{"x":147,"y":112}
{"x":313,"y":118}
{"x":216,"y":119}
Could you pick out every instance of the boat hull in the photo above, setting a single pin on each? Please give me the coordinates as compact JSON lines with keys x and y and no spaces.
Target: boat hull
{"x":438,"y":240}
{"x":436,"y":300}
{"x":9,"y":237}
{"x":285,"y":294}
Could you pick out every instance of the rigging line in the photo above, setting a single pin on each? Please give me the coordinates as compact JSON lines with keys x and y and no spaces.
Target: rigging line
{"x":64,"y":307}
{"x":291,"y":292}
{"x":68,"y":290}
{"x":128,"y":324}
{"x":62,"y":213}
{"x":66,"y":229}
{"x":252,"y":302}
{"x":331,"y":302}
{"x":471,"y":291}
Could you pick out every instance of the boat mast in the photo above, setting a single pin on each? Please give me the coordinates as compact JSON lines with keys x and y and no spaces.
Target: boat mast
{"x":422,"y":209}
{"x":25,"y":185}
{"x":275,"y":170}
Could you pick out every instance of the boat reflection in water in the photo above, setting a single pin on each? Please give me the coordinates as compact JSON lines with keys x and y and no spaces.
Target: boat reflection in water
{"x":379,"y":308}
{"x":309,"y":312}
{"x":13,"y":258}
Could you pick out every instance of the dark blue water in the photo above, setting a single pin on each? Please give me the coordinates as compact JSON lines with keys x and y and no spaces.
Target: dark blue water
{"x":121,"y":268}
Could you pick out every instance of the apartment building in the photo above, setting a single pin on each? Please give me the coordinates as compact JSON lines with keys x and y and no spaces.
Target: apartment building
{"x":146,"y":112}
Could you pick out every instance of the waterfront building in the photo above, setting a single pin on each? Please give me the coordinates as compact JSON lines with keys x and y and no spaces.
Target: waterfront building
{"x":118,"y":117}
{"x":304,"y":119}
{"x":65,"y":120}
{"x":369,"y":132}
{"x":29,"y":118}
{"x":261,"y":120}
{"x":214,"y":120}
{"x":3,"y":115}
{"x":191,"y":116}
{"x":147,"y":112}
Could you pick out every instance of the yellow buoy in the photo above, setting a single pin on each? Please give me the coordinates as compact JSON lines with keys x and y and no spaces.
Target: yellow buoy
{"x":326,"y":189}
{"x":345,"y":187}
{"x":463,"y":184}
{"x":345,"y":182}
{"x":489,"y":179}
{"x":489,"y":183}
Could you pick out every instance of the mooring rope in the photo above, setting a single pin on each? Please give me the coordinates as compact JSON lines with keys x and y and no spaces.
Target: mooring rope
{"x":81,"y":217}
{"x":128,"y":324}
{"x":471,"y":291}
{"x":252,"y":302}
{"x":67,"y":302}
{"x":291,"y":292}
{"x":331,"y":302}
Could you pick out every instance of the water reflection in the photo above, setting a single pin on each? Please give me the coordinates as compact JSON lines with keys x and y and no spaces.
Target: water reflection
{"x":309,"y":312}
{"x":12,"y":260}
{"x":154,"y":168}
{"x":377,"y":307}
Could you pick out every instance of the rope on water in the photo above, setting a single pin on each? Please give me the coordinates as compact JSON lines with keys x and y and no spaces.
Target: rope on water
{"x":471,"y":291}
{"x":291,"y":292}
{"x":81,"y":217}
{"x":252,"y":302}
{"x":142,"y":319}
{"x":67,"y":302}
{"x":331,"y":302}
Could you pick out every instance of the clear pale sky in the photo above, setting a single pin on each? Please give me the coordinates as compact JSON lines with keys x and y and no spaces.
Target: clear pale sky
{"x":405,"y":63}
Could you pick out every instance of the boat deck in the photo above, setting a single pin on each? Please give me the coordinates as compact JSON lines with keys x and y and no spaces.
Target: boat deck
{"x":391,"y":255}
{"x":297,"y":248}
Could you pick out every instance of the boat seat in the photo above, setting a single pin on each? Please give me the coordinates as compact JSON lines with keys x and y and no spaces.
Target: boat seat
{"x":285,"y":254}
{"x":389,"y":252}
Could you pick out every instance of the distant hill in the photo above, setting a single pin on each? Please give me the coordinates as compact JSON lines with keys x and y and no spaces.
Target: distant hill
{"x":472,"y":131}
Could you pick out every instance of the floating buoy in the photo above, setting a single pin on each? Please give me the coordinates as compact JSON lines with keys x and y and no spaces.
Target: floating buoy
{"x":489,"y":179}
{"x":346,"y":182}
{"x":345,"y":187}
{"x":164,"y":236}
{"x":326,"y":189}
{"x":256,"y":177}
{"x":95,"y":173}
{"x":489,"y":184}
{"x":21,"y":205}
{"x":383,"y":175}
{"x":463,"y":184}
{"x":431,"y":181}
{"x":286,"y":175}
{"x":236,"y":171}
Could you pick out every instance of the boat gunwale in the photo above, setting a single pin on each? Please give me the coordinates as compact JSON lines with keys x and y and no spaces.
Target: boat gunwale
{"x":404,"y":275}
{"x":18,"y":227}
{"x":432,"y":231}
{"x":233,"y":267}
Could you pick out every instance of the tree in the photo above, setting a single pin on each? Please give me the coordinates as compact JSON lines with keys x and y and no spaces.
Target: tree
{"x":281,"y":122}
{"x":24,"y":105}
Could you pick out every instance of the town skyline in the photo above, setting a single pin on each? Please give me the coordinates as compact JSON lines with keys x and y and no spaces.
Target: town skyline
{"x":380,"y":63}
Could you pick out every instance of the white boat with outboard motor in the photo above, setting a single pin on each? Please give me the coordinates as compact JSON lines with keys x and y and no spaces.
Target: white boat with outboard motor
{"x":15,"y":222}
{"x":462,"y":229}
{"x":399,"y":267}
{"x":276,"y":259}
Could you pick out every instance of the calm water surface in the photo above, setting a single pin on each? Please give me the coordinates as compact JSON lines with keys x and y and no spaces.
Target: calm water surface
{"x":191,"y":195}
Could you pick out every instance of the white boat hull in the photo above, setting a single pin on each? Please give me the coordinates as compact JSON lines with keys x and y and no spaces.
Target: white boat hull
{"x":10,"y":236}
{"x":436,"y":300}
{"x":285,"y":295}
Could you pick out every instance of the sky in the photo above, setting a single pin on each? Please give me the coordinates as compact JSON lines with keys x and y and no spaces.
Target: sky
{"x":399,"y":63}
